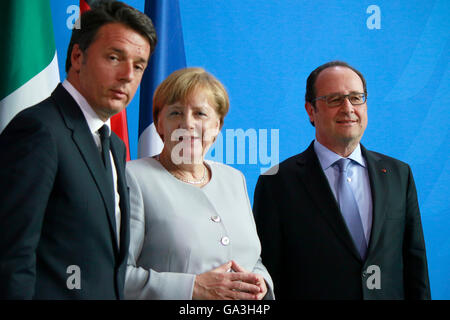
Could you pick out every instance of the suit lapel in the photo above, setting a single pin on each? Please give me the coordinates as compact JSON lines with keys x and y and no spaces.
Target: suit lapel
{"x":319,"y":189}
{"x":379,"y":189}
{"x":82,"y":138}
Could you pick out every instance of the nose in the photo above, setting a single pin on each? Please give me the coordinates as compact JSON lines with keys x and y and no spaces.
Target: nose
{"x":126,"y":72}
{"x":188,"y":121}
{"x":347,"y":106}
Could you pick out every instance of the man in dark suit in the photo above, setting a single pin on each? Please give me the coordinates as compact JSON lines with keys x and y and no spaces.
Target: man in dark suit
{"x":338,"y":221}
{"x":64,"y":208}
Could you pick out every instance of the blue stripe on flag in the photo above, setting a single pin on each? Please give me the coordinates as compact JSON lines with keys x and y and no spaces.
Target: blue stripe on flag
{"x":169,"y":56}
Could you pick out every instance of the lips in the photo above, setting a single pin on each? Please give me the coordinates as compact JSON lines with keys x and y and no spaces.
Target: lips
{"x":120,"y":94}
{"x":347,"y":121}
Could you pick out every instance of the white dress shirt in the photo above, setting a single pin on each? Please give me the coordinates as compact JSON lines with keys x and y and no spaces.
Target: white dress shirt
{"x":358,"y":180}
{"x":94,"y":124}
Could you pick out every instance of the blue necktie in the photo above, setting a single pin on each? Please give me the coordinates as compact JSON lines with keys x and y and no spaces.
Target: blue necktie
{"x":105,"y":141}
{"x":349,"y":208}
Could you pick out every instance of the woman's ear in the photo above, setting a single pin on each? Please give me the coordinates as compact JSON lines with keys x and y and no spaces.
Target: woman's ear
{"x":159,"y":130}
{"x":218,"y":129}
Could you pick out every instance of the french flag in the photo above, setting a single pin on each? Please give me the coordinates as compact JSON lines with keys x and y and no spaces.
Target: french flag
{"x":169,"y":56}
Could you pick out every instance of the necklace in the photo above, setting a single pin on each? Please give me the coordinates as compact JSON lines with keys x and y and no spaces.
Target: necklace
{"x":193,"y":181}
{"x":186,"y":180}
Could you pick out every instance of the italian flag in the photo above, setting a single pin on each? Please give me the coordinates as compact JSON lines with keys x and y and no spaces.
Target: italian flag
{"x":29,"y":65}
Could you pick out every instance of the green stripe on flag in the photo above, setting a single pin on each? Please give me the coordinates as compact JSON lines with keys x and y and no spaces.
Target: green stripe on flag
{"x":27,"y":39}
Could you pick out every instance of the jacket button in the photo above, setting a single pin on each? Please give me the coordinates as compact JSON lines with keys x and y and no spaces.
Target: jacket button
{"x":215,"y":218}
{"x":225,"y":241}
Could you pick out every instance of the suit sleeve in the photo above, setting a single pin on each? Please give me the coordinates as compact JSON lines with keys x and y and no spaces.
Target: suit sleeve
{"x":259,"y":267}
{"x":416,"y":280}
{"x":266,"y":214}
{"x":148,"y":284}
{"x":27,"y":172}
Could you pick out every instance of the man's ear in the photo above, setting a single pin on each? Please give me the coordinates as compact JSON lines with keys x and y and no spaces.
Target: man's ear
{"x":310,"y":109}
{"x":76,"y":57}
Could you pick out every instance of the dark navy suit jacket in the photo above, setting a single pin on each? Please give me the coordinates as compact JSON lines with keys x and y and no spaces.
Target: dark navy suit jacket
{"x":308,"y":250}
{"x":55,"y":210}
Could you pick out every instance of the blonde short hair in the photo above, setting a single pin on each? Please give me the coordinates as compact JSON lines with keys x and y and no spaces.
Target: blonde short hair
{"x":180,"y":84}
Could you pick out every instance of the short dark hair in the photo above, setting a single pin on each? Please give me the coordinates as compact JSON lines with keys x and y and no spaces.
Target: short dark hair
{"x":109,"y":11}
{"x":310,"y":93}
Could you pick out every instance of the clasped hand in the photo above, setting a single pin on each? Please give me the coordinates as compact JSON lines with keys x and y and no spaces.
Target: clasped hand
{"x":220,"y":284}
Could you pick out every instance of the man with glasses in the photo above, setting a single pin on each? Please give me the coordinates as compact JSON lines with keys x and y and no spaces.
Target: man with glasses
{"x":338,"y":221}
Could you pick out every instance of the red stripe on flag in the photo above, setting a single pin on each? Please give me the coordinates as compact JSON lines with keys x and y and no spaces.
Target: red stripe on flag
{"x":119,"y":125}
{"x":84,"y":6}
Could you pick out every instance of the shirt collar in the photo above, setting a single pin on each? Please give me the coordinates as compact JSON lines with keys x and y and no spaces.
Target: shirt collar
{"x":328,"y":157}
{"x":93,"y":120}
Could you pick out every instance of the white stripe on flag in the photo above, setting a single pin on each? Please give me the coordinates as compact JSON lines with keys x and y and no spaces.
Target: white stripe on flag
{"x":35,"y":90}
{"x":149,"y":144}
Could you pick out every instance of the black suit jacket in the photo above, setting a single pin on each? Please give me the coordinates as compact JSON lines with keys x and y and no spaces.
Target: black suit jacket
{"x":308,"y":250}
{"x":55,"y":210}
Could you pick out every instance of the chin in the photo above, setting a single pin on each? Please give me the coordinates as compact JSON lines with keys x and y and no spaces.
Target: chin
{"x":349,"y":133}
{"x":191,"y":157}
{"x":115,"y":107}
{"x":350,"y":139}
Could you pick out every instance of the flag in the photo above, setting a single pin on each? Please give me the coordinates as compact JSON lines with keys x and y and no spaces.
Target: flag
{"x":29,"y":70}
{"x":169,"y":56}
{"x":119,"y":123}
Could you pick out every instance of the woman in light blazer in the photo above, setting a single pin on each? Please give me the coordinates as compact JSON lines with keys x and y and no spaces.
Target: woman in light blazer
{"x":193,"y":234}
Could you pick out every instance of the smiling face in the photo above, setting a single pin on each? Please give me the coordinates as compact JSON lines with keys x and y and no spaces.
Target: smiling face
{"x":338,"y":128}
{"x":109,"y":71}
{"x":189,"y":128}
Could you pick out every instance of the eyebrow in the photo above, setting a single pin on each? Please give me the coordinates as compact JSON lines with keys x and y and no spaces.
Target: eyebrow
{"x":340,"y":94}
{"x":123,"y":53}
{"x":179,"y":105}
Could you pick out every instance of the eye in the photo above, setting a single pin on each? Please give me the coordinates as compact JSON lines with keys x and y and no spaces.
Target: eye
{"x":356,"y":98}
{"x":139,"y":68}
{"x":334,"y":100}
{"x":113,"y":58}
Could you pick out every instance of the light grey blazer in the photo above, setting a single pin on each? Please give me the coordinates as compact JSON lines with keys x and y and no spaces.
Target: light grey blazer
{"x":179,"y":231}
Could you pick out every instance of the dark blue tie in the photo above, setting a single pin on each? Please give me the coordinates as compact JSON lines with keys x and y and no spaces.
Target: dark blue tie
{"x":349,"y":208}
{"x":105,"y":141}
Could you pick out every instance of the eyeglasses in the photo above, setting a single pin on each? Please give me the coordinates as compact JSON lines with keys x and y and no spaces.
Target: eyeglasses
{"x":335,"y":100}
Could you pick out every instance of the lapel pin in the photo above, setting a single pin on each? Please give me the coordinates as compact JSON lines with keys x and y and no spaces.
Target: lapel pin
{"x":383,"y":170}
